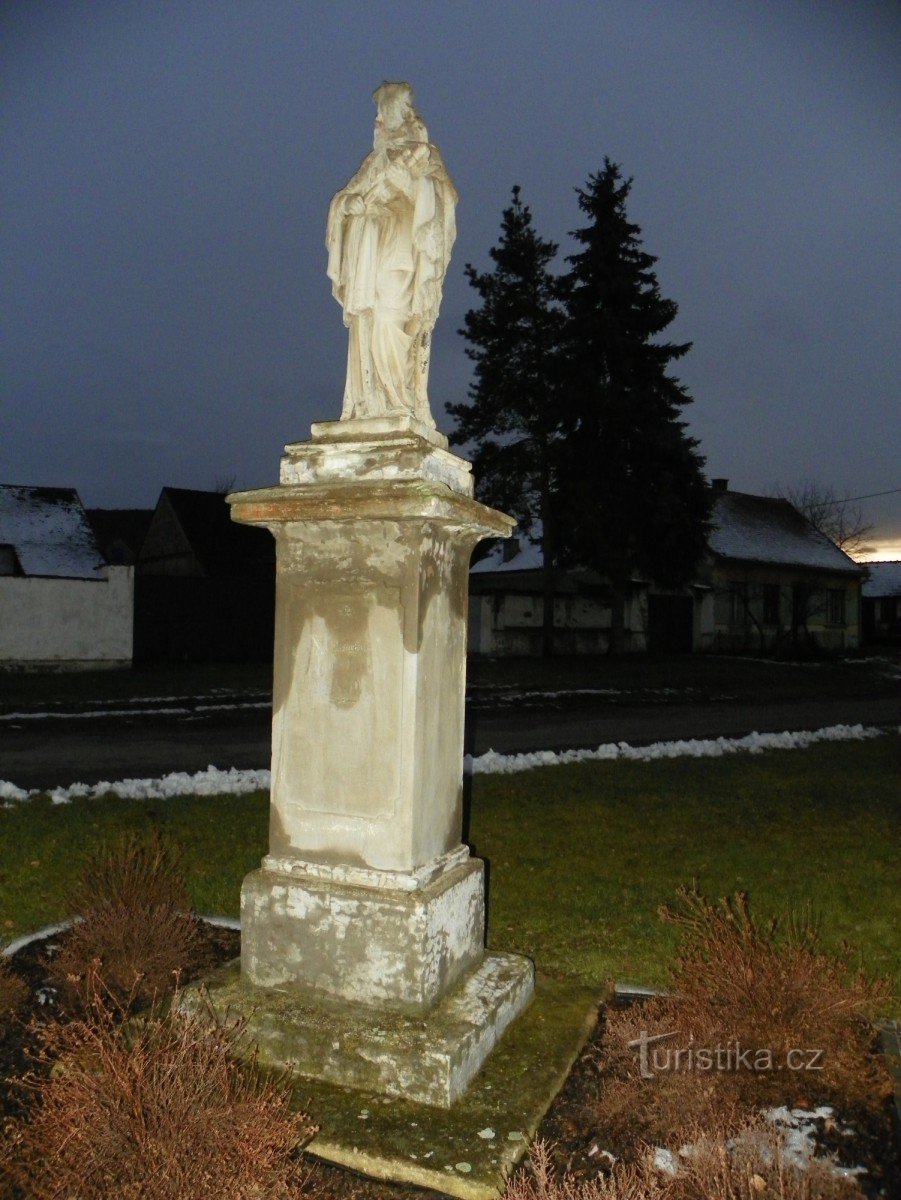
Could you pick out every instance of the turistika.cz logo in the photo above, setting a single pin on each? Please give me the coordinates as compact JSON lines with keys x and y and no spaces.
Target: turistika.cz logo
{"x":657,"y":1055}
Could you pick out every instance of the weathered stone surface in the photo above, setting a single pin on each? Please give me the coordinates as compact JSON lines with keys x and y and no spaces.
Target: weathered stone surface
{"x":367,"y":902}
{"x":385,"y":426}
{"x":389,"y":238}
{"x":383,"y":946}
{"x":369,"y":680}
{"x":363,"y":957}
{"x":429,"y":1058}
{"x":371,"y":456}
{"x":468,"y":1149}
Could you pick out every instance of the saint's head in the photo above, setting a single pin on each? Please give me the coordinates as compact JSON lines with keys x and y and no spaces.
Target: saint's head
{"x":397,"y":119}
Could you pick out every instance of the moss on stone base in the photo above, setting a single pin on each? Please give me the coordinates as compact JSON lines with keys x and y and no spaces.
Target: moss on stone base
{"x":427,"y":1057}
{"x":465,"y":1150}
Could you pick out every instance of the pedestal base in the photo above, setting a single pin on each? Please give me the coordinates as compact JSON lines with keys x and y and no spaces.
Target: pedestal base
{"x":384,"y":946}
{"x":429,"y":1059}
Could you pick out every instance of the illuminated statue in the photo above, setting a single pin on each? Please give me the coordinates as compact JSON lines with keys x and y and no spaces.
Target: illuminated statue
{"x":389,"y":238}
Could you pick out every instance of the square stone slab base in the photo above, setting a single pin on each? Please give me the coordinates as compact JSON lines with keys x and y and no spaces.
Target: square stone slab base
{"x":469,"y":1149}
{"x":428,"y":1057}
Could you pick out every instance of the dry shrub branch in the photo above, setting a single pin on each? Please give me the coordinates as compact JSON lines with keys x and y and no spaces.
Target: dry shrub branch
{"x":134,"y":915}
{"x":759,"y":1014}
{"x":750,"y":1165}
{"x":13,"y":991}
{"x":155,"y":1108}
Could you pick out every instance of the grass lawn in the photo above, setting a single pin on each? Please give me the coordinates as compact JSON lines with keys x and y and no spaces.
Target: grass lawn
{"x":580,"y":856}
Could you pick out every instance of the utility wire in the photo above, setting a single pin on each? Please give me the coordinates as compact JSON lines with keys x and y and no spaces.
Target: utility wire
{"x":869,"y":496}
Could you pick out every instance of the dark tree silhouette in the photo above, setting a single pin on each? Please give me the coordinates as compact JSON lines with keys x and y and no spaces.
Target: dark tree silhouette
{"x":514,"y":416}
{"x":634,"y":497}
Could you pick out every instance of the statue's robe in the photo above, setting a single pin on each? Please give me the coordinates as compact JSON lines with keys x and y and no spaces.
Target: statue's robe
{"x":387,"y":265}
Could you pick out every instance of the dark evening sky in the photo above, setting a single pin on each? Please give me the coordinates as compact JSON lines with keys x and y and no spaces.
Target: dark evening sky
{"x":167,"y":167}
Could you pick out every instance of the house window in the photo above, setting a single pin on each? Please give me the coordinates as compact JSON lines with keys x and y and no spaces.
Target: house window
{"x":771,"y":604}
{"x":738,"y":604}
{"x":835,"y":606}
{"x":9,"y":561}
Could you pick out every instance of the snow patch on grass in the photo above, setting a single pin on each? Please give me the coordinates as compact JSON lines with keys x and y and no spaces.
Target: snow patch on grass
{"x":211,"y":782}
{"x":492,"y":763}
{"x":234,"y":782}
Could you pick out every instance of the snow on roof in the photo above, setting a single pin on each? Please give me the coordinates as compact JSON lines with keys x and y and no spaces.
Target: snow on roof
{"x":768,"y":530}
{"x":524,"y":556}
{"x":752,"y":528}
{"x":884,"y":580}
{"x":49,"y":531}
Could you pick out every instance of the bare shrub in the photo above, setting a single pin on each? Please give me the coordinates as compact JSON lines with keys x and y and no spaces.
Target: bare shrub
{"x":771,"y":986}
{"x":749,"y":1165}
{"x":157,"y":1109}
{"x":134,"y":921}
{"x":13,"y":992}
{"x":748,"y":1000}
{"x":663,"y":1105}
{"x":746,"y":1163}
{"x":539,"y":1181}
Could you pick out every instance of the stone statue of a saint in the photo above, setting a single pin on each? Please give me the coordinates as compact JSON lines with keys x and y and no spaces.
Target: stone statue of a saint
{"x":389,"y":238}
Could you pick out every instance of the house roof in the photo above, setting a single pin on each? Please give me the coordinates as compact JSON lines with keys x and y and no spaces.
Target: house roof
{"x":769,"y":530}
{"x":220,"y":545}
{"x":748,"y":528}
{"x":884,"y":579}
{"x":525,"y":556}
{"x":120,"y":529}
{"x":49,"y":531}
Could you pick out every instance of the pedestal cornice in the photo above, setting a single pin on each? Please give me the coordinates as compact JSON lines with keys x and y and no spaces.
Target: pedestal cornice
{"x":379,"y":500}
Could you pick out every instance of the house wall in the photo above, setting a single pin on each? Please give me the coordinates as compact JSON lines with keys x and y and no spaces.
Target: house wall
{"x":178,"y":619}
{"x":704,"y":628}
{"x":166,"y":550}
{"x":509,"y":623}
{"x":762,"y":606}
{"x":67,"y":624}
{"x":881,"y":619}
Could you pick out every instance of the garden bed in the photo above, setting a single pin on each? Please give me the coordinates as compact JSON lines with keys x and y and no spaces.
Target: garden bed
{"x":856,"y":1136}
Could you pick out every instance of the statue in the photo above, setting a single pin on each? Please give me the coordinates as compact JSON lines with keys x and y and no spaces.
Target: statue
{"x":389,"y":238}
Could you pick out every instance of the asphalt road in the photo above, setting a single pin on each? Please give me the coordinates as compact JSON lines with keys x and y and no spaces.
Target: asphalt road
{"x":50,"y":753}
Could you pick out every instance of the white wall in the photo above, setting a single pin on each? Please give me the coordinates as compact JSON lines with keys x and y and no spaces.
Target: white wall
{"x":509,"y":623}
{"x":67,"y":623}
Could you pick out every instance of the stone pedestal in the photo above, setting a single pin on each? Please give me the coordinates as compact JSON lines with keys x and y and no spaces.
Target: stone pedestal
{"x":367,"y":897}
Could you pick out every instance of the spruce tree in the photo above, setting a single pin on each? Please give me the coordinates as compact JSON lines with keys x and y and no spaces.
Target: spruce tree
{"x":634,"y":498}
{"x":514,"y":415}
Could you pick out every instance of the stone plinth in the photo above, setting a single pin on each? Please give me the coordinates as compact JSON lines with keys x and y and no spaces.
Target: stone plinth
{"x":381,"y":944}
{"x":367,"y":897}
{"x":429,"y":1058}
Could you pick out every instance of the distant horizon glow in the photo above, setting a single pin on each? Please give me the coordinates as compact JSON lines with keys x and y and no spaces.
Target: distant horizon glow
{"x":879,"y":552}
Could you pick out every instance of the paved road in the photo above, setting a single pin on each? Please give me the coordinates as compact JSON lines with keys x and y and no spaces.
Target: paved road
{"x":55,"y":753}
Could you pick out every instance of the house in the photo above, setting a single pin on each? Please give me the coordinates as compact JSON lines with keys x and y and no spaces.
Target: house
{"x":62,"y":605}
{"x":776,"y":579}
{"x":882,"y":603}
{"x":205,"y":586}
{"x":506,"y":608}
{"x":770,"y":578}
{"x":506,"y":605}
{"x":120,"y":532}
{"x":191,"y":534}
